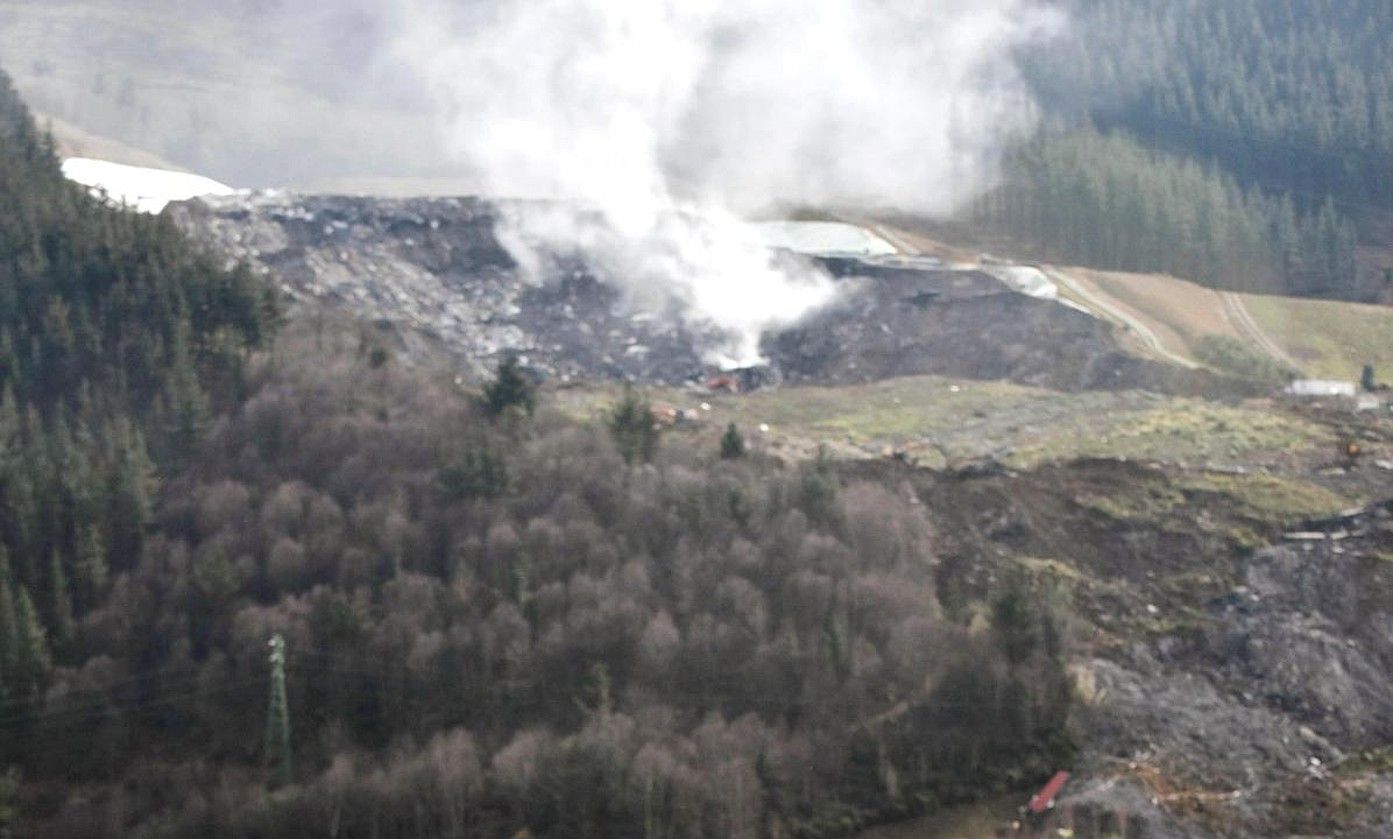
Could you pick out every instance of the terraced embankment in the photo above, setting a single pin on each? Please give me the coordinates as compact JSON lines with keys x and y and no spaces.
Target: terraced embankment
{"x":1101,"y":305}
{"x":1319,"y":338}
{"x":1237,"y":313}
{"x":1328,"y":339}
{"x":1165,"y":318}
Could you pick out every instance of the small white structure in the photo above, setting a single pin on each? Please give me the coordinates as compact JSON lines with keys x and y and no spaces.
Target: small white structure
{"x":140,"y":188}
{"x":1026,"y":280}
{"x":1321,"y":387}
{"x":822,"y":238}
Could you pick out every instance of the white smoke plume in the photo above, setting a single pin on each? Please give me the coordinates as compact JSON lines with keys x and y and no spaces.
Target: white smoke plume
{"x":672,"y":118}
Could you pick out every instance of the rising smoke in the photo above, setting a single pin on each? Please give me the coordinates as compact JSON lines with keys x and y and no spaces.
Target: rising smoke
{"x":671,"y":118}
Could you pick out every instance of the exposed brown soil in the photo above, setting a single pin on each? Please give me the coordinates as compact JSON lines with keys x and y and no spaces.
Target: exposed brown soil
{"x":1229,"y":675}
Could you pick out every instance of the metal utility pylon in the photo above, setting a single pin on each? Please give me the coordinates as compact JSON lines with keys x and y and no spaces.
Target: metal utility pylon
{"x":278,"y":718}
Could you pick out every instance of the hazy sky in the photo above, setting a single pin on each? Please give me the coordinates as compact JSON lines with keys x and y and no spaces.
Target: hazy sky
{"x":862,"y":101}
{"x":661,"y":112}
{"x":736,"y":102}
{"x":670,"y":118}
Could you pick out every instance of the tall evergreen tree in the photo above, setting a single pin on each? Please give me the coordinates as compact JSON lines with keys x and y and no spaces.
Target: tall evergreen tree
{"x":9,"y":627}
{"x":60,"y":601}
{"x":1104,"y":200}
{"x":187,"y":410}
{"x":510,"y":389}
{"x":129,"y":494}
{"x":89,"y":567}
{"x":632,"y":427}
{"x":1289,"y":94}
{"x":30,"y":645}
{"x":732,"y":443}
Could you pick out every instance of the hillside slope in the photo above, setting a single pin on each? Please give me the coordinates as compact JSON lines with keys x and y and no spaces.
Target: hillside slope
{"x":228,"y":89}
{"x":1320,"y":338}
{"x":797,"y":640}
{"x":436,"y":273}
{"x":553,"y":637}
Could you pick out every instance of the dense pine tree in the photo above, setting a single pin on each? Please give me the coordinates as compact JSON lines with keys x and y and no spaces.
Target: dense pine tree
{"x":114,"y":331}
{"x":510,"y":389}
{"x":732,"y":443}
{"x":1287,"y":93}
{"x":1105,"y":201}
{"x":632,"y":427}
{"x":1244,"y":140}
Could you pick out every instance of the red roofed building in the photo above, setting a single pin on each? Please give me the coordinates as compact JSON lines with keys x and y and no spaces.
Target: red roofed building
{"x":1044,"y":799}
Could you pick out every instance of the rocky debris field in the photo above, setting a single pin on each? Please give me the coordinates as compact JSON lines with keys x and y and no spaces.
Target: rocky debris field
{"x":1231,"y":639}
{"x":887,"y":328}
{"x":1233,"y":659}
{"x":434,"y":273}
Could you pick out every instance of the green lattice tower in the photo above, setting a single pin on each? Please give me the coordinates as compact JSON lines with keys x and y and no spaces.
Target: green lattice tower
{"x":278,"y":718}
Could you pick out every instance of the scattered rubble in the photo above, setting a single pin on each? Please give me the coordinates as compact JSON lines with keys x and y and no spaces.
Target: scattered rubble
{"x":1222,"y":688}
{"x":1291,"y":678}
{"x":895,"y":321}
{"x":1227,"y":685}
{"x":435,"y":272}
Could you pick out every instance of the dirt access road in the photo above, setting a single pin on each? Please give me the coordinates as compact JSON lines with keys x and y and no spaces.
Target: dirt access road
{"x":1242,"y":320}
{"x":1149,"y":335}
{"x":1104,"y":307}
{"x":1089,"y":298}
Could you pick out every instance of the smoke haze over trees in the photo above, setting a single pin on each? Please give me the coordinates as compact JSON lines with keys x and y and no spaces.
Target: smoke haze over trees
{"x":1285,"y":93}
{"x":907,"y":108}
{"x":491,"y":625}
{"x":1105,"y":201}
{"x":1244,"y":140}
{"x":117,"y":341}
{"x":500,"y":618}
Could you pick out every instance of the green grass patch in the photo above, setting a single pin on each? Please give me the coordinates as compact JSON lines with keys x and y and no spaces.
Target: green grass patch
{"x":1270,"y":496}
{"x":937,"y":420}
{"x":1241,"y":359}
{"x":1376,"y":760}
{"x":1330,"y":339}
{"x":891,"y":412}
{"x":1150,"y":501}
{"x":1182,"y":430}
{"x":1051,"y":568}
{"x":895,"y":410}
